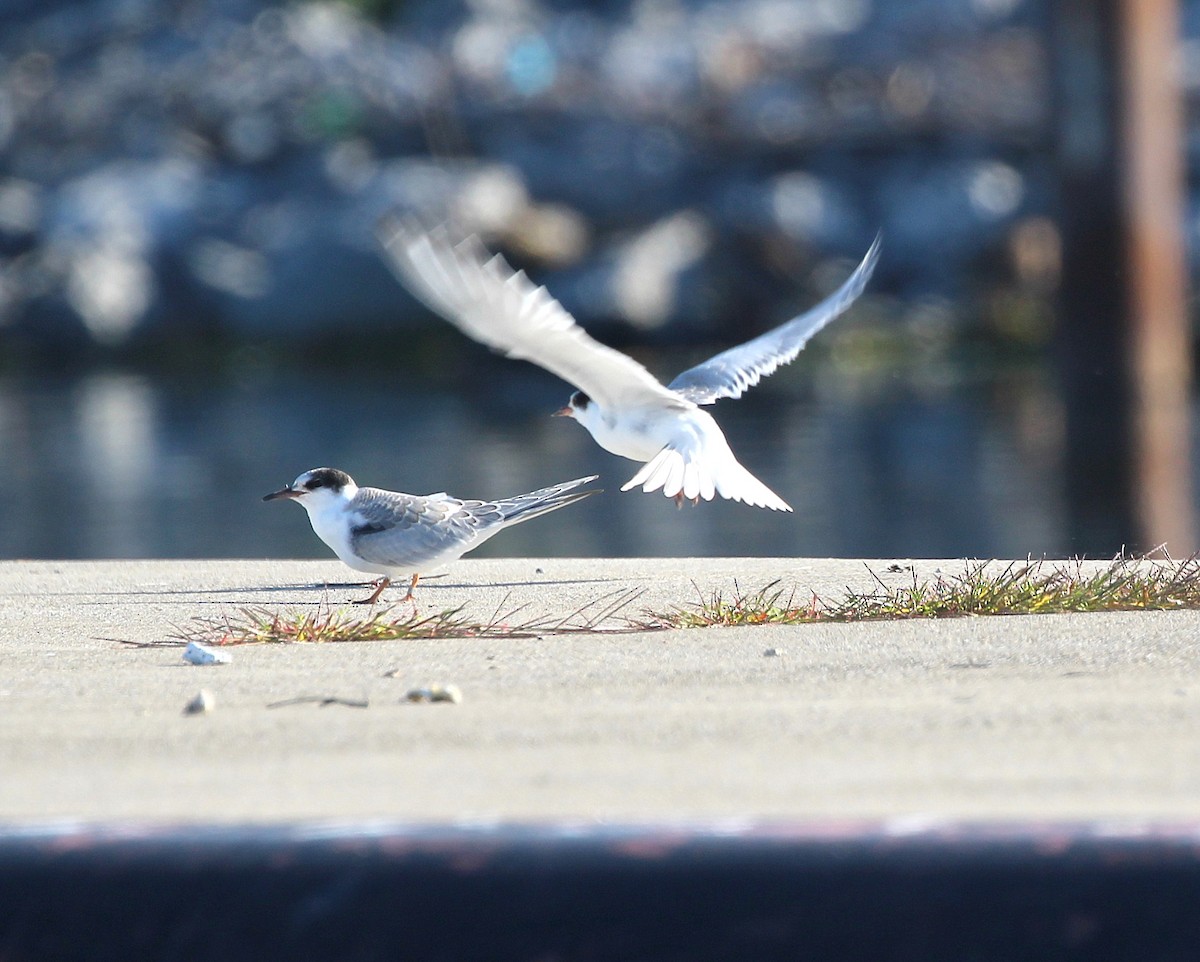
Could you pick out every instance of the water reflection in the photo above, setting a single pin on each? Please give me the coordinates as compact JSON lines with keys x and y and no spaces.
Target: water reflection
{"x":119,"y":465}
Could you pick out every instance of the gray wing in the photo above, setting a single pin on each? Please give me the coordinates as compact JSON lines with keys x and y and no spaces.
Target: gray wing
{"x":732,"y":372}
{"x":401,"y":530}
{"x":484,"y":298}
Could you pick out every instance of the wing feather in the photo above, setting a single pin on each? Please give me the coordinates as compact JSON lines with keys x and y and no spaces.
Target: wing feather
{"x":732,"y":372}
{"x":483,"y":297}
{"x":401,"y":530}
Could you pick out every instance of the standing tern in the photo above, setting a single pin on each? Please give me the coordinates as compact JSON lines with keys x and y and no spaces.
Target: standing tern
{"x":622,"y":405}
{"x":392,"y":534}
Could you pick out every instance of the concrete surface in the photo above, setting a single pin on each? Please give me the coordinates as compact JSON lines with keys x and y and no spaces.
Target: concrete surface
{"x":1060,"y":717}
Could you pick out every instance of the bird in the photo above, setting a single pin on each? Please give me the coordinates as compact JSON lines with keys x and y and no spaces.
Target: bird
{"x":622,"y":405}
{"x":393,"y":534}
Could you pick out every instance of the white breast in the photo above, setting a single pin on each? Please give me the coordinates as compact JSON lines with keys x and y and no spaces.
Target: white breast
{"x":637,"y":434}
{"x":332,"y":523}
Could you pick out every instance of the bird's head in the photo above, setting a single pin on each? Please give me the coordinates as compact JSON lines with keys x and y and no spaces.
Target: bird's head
{"x":318,"y":487}
{"x":577,"y":407}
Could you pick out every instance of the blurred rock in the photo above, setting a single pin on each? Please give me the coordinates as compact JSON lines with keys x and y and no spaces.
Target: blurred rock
{"x":221,"y":163}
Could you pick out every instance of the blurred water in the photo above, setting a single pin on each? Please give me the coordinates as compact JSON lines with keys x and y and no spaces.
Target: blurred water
{"x":932,"y":462}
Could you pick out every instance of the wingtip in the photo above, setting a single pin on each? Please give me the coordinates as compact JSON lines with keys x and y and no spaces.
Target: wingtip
{"x":876,"y":246}
{"x":395,"y":225}
{"x":857,"y":282}
{"x":387,"y":223}
{"x":867,"y":266}
{"x":391,"y":224}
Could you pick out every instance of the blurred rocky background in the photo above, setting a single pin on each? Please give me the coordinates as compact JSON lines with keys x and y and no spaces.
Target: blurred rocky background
{"x":683,"y":169}
{"x":193,"y":308}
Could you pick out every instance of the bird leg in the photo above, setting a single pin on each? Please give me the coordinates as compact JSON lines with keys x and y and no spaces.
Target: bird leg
{"x":379,"y":586}
{"x":412,"y":584}
{"x":680,"y":498}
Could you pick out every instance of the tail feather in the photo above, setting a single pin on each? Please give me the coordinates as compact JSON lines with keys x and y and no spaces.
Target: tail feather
{"x":675,"y":476}
{"x":525,"y":507}
{"x":691,"y":481}
{"x":741,"y":485}
{"x":657,"y":478}
{"x":653,"y":474}
{"x":693,"y":478}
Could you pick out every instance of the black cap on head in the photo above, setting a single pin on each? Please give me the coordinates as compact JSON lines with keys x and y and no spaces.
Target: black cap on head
{"x":580,"y":400}
{"x":324,"y":478}
{"x":317,"y":478}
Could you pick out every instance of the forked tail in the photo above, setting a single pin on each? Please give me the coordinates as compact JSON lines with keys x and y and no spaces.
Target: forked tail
{"x":694,"y":478}
{"x":527,"y":506}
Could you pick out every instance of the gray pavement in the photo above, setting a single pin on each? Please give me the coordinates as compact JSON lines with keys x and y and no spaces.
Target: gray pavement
{"x":1058,"y":717}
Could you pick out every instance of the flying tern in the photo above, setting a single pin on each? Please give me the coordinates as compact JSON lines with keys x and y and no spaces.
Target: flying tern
{"x":621,"y":404}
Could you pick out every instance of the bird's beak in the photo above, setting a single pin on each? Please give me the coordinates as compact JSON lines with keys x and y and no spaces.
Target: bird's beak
{"x":564,"y":412}
{"x":282,"y":493}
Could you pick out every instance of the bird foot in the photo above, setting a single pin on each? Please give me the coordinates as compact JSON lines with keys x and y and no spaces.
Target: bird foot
{"x":378,"y":585}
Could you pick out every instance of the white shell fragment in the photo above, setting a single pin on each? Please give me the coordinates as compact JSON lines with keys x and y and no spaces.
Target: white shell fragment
{"x":201,"y":704}
{"x":198,"y":654}
{"x":448,"y":693}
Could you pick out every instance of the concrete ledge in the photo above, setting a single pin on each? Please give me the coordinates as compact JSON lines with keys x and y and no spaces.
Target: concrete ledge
{"x":1056,"y":717}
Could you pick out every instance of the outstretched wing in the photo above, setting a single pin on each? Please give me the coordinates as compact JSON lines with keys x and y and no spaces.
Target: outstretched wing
{"x":732,"y":372}
{"x":502,"y":308}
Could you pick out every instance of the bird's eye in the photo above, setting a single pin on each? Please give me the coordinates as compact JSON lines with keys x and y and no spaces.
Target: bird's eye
{"x":580,"y":400}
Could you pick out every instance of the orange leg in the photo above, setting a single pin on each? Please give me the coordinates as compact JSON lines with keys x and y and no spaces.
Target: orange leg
{"x":379,"y":586}
{"x":412,"y":584}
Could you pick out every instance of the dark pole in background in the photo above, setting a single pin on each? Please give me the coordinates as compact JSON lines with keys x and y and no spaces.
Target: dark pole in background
{"x":1153,"y":182}
{"x":1123,"y":340}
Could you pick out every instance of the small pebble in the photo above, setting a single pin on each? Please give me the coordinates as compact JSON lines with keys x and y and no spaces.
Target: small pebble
{"x":772,"y":653}
{"x":447,"y":693}
{"x":198,"y":654}
{"x":201,"y":704}
{"x":538,"y":571}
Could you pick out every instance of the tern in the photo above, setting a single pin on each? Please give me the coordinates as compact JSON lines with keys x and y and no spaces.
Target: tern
{"x":392,"y":534}
{"x":622,"y":405}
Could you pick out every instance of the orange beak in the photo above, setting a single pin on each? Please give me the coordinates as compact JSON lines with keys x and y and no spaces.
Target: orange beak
{"x":565,"y":412}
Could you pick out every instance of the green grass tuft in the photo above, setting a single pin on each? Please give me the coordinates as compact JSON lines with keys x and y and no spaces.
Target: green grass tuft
{"x":983,"y":588}
{"x":1018,"y":588}
{"x":325,"y":625}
